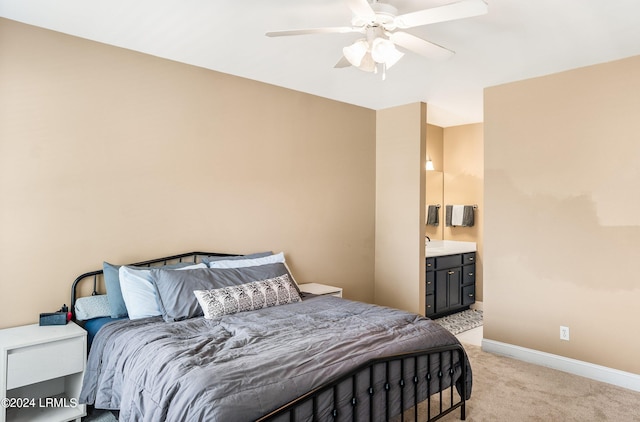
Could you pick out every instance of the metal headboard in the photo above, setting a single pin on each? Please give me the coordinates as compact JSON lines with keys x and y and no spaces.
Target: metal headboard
{"x":183,"y":257}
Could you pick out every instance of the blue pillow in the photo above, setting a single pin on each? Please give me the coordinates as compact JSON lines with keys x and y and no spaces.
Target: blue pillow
{"x":114,"y":294}
{"x":112,"y":284}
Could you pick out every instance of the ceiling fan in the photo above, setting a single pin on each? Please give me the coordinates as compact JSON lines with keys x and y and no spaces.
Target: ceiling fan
{"x":381,"y":25}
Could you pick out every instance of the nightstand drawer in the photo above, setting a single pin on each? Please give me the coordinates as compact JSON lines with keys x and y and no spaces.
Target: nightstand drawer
{"x":31,"y":364}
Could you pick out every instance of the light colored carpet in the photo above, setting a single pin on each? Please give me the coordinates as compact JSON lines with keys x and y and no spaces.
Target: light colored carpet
{"x":461,"y":321}
{"x":506,"y":390}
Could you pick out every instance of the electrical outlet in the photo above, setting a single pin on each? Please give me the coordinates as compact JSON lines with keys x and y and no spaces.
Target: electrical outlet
{"x":564,"y":333}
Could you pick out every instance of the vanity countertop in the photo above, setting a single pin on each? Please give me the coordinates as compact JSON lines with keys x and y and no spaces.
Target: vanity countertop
{"x":448,"y":247}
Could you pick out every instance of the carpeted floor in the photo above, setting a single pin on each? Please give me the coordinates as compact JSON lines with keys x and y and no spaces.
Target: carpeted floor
{"x":100,"y":416}
{"x":506,"y":390}
{"x":461,"y":321}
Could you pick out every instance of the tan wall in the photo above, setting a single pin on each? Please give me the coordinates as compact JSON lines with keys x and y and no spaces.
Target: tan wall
{"x":400,"y":211}
{"x":435,"y":146}
{"x":108,"y":154}
{"x":562,"y":213}
{"x":463,"y":185}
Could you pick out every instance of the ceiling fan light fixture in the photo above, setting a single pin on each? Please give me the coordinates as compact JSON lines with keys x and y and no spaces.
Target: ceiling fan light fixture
{"x":378,"y":21}
{"x":356,"y":52}
{"x":385,"y":51}
{"x":368,"y":64}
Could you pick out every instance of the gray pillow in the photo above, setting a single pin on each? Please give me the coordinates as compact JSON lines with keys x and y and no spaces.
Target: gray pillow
{"x":175,"y":288}
{"x":211,"y":258}
{"x":112,"y":284}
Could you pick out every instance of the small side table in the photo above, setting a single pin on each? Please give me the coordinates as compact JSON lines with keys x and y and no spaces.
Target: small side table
{"x":41,"y":371}
{"x":321,"y":289}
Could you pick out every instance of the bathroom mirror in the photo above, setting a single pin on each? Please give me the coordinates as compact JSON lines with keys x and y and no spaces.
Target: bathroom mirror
{"x":434,"y":181}
{"x":434,"y":195}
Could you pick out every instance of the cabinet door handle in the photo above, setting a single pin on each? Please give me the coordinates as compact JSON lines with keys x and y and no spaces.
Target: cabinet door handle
{"x":451,"y":272}
{"x":470,"y":258}
{"x":428,"y":265}
{"x":470,"y":274}
{"x":470,"y":295}
{"x":428,"y":283}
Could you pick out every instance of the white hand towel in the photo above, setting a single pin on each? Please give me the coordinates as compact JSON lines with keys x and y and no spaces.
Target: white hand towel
{"x":456,"y":215}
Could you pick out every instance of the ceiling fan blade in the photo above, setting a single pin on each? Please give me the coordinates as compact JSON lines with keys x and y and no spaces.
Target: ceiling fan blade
{"x":343,"y":62}
{"x":458,"y":10}
{"x":361,"y":8}
{"x":420,"y":46}
{"x":328,"y":30}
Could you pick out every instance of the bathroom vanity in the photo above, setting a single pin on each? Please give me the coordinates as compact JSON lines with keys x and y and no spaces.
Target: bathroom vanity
{"x":450,"y":277}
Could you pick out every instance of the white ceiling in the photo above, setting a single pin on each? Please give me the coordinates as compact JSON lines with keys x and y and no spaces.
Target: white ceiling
{"x":517,"y":39}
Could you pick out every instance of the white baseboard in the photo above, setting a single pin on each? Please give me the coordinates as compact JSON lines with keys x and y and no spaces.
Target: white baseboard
{"x":623,"y":379}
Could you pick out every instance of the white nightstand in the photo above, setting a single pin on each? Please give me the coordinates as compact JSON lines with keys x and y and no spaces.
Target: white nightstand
{"x":321,"y":289}
{"x":41,"y":370}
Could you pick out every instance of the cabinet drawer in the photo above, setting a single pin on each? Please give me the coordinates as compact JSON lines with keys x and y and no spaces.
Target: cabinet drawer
{"x":431,"y":264}
{"x":468,"y":295}
{"x":430,"y":305}
{"x":448,"y":261}
{"x":469,"y":258}
{"x":468,"y":274}
{"x":31,"y":364}
{"x":431,"y":282}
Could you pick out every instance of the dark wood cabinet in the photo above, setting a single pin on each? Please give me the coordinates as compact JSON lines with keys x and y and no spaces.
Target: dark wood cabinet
{"x":450,"y":284}
{"x":447,"y":291}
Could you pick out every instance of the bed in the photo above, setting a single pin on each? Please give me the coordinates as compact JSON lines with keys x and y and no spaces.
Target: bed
{"x":214,"y":356}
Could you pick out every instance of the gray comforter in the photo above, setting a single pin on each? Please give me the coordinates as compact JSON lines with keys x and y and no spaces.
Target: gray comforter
{"x":240,"y":367}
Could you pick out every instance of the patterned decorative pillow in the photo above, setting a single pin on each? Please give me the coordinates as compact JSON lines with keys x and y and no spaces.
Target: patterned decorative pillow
{"x":247,"y":297}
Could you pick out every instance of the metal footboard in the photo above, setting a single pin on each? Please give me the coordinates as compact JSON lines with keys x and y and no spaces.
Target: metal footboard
{"x":418,"y":386}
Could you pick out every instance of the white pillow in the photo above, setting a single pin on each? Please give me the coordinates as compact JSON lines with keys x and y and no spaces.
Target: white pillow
{"x":250,"y":262}
{"x":138,"y":292}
